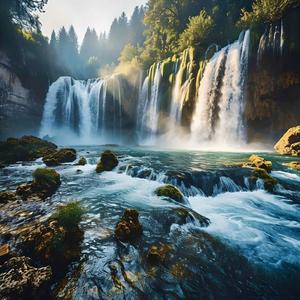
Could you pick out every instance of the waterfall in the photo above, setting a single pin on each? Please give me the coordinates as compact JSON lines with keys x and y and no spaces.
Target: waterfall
{"x":78,"y":109}
{"x":218,"y":115}
{"x":149,"y":107}
{"x":271,"y":42}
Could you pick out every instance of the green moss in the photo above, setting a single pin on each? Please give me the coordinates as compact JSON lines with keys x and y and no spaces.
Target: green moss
{"x":46,"y":177}
{"x":100,"y":168}
{"x":269,"y":181}
{"x":169,"y":191}
{"x":82,"y":161}
{"x":69,"y":216}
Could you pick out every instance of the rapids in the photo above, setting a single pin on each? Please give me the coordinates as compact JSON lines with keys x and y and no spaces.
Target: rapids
{"x":250,"y":249}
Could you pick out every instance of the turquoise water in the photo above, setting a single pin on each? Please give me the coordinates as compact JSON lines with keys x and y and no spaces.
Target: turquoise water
{"x":251,"y":249}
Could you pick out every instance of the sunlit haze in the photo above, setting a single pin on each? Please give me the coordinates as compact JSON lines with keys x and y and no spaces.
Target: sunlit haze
{"x":97,"y":14}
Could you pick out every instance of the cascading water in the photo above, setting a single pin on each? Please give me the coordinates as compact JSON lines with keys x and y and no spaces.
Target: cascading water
{"x":149,"y":106}
{"x":271,"y":42}
{"x":78,"y":109}
{"x":219,"y":109}
{"x":99,"y":110}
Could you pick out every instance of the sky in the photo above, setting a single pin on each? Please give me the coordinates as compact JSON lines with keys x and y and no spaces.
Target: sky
{"x":97,"y":14}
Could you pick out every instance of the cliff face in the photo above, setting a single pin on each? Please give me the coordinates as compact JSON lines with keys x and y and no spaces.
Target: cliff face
{"x":20,"y":112}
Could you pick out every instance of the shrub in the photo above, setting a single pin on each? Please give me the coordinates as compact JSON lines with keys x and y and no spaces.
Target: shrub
{"x":69,"y":215}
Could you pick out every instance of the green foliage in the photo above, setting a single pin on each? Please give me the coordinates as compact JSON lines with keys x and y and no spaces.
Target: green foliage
{"x":197,"y":31}
{"x":69,"y":215}
{"x":266,"y":11}
{"x":128,"y":53}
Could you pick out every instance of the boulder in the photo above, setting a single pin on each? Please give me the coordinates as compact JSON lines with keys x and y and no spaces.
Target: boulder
{"x":184,"y":215}
{"x":45,"y":183}
{"x":82,"y":161}
{"x":256,"y":161}
{"x":20,"y":280}
{"x":293,"y":165}
{"x":157,"y":254}
{"x":289,"y":144}
{"x":52,"y":244}
{"x":7,"y":197}
{"x":107,"y":162}
{"x":269,"y":181}
{"x":129,"y":228}
{"x":27,"y":148}
{"x":170,"y":191}
{"x":60,"y":156}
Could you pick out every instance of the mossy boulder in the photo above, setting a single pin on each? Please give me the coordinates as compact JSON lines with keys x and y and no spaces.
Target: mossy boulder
{"x":269,"y":181}
{"x":107,"y":162}
{"x":289,"y":144}
{"x":170,"y":191}
{"x":46,"y":177}
{"x":27,"y":148}
{"x":157,"y":254}
{"x":82,"y":161}
{"x":294,"y":165}
{"x":129,"y":228}
{"x":256,"y":161}
{"x":60,"y":156}
{"x":45,"y":183}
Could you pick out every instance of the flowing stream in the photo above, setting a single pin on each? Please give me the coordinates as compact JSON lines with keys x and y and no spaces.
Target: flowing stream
{"x":251,"y":247}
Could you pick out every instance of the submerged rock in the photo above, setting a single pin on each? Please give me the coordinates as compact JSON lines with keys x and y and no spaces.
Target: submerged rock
{"x":289,"y":144}
{"x":256,"y":161}
{"x":64,"y":155}
{"x":20,"y":280}
{"x":157,"y":254}
{"x":170,"y":191}
{"x":82,"y":161}
{"x":293,"y":165}
{"x":27,"y":148}
{"x":107,"y":162}
{"x":184,"y":215}
{"x":45,"y":183}
{"x":4,"y":251}
{"x":7,"y":197}
{"x":269,"y":181}
{"x":129,"y":228}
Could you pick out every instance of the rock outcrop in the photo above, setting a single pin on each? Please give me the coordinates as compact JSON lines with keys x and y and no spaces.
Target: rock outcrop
{"x":289,"y":144}
{"x":294,"y":165}
{"x":258,"y":162}
{"x":269,"y":181}
{"x":170,"y":191}
{"x":45,"y":183}
{"x":60,"y":156}
{"x":107,"y":162}
{"x":20,"y":107}
{"x":27,"y":148}
{"x":20,"y":280}
{"x":129,"y":228}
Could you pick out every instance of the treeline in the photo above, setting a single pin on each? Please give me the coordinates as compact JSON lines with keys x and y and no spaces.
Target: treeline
{"x":174,"y":25}
{"x":154,"y":32}
{"x":95,"y":52}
